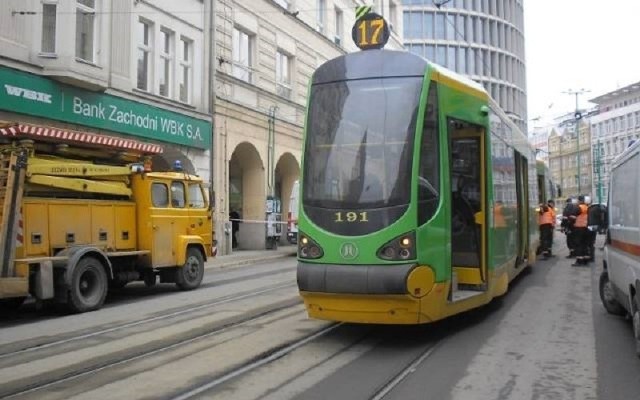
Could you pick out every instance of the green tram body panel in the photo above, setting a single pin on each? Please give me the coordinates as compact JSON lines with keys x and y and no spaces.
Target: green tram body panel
{"x":350,"y":251}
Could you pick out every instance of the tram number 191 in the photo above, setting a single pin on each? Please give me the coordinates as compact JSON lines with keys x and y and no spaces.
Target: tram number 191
{"x":351,"y":216}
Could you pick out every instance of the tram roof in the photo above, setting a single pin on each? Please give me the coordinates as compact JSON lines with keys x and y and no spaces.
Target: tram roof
{"x":370,"y":64}
{"x":460,"y":78}
{"x":383,"y":63}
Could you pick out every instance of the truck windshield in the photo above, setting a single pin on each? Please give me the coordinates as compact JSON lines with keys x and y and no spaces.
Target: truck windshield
{"x":360,"y":143}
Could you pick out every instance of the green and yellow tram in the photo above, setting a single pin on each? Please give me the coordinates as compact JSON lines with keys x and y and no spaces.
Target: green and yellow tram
{"x":418,"y":193}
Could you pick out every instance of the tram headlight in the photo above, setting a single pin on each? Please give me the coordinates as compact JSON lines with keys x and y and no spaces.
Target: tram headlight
{"x":308,"y":248}
{"x":400,"y":248}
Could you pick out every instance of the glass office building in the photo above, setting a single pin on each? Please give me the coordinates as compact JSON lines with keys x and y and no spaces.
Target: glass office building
{"x":482,"y":39}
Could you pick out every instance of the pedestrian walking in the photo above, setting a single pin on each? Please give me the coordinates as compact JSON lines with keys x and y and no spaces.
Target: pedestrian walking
{"x":581,"y":233}
{"x":234,"y":217}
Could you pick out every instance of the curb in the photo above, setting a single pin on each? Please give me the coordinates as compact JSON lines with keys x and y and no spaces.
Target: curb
{"x":215,"y":263}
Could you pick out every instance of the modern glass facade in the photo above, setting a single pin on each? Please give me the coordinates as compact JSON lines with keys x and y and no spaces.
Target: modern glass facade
{"x":482,"y":39}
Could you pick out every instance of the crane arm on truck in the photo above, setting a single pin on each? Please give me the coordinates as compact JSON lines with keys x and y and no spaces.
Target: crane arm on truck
{"x":20,"y":166}
{"x":81,"y":176}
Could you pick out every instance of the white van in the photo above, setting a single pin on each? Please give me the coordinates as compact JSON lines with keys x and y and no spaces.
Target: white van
{"x":620,"y":280}
{"x":292,"y":216}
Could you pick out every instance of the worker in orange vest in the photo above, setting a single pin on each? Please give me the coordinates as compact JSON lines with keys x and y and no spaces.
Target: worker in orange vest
{"x":582,"y":238}
{"x":546,"y":220}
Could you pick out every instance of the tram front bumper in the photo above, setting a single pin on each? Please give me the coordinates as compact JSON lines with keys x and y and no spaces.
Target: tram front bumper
{"x":386,"y":294}
{"x":354,"y":279}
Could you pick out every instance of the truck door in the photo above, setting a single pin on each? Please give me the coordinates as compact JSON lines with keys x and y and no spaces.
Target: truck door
{"x":200,"y":223}
{"x":162,"y":224}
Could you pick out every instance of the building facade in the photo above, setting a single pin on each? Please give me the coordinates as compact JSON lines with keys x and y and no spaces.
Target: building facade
{"x":615,"y":127}
{"x":483,"y":39}
{"x":266,"y":52}
{"x":149,"y":70}
{"x":129,"y":69}
{"x":570,"y":160}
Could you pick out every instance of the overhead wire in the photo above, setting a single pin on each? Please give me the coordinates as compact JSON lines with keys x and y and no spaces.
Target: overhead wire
{"x":478,"y":54}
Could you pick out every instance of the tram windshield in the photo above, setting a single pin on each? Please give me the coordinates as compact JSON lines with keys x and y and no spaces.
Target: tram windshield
{"x":359,"y":146}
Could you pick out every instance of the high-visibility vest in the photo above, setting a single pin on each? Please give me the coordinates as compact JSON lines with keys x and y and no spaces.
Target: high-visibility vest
{"x":546,"y":217}
{"x":553,"y":215}
{"x":581,"y":219}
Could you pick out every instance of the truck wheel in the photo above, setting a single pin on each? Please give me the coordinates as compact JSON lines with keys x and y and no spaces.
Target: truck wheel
{"x":88,"y":286}
{"x":607,"y":297}
{"x":190,"y":275}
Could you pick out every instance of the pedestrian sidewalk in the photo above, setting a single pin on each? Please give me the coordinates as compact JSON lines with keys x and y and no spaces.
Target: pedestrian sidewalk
{"x":244,"y":257}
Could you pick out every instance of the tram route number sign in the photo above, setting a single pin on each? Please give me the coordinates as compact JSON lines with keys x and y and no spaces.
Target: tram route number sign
{"x":370,"y":31}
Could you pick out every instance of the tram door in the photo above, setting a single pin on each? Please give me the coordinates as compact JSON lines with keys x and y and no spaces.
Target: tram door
{"x":468,"y":205}
{"x":522,"y":188}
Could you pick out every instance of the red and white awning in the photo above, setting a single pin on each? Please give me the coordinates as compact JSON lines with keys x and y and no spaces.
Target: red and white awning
{"x":80,"y":138}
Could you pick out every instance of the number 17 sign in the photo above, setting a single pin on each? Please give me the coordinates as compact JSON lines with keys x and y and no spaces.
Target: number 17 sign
{"x":370,"y":31}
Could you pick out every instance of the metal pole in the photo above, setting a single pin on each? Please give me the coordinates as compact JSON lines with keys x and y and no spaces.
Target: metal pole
{"x":599,"y":176}
{"x":578,"y":140}
{"x":271,"y":150}
{"x":561,"y":166}
{"x":577,"y":116}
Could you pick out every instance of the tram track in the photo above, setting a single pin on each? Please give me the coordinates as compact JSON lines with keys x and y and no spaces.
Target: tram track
{"x":260,"y":361}
{"x":33,"y":385}
{"x":405,"y":372}
{"x":173,"y":313}
{"x":349,"y":346}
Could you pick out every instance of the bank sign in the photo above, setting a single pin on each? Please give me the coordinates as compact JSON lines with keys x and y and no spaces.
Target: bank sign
{"x":34,"y":95}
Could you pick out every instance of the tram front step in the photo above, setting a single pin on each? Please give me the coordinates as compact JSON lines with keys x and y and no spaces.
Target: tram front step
{"x":460,"y":295}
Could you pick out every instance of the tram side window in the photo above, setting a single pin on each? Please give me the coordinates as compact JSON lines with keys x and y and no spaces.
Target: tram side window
{"x":159,"y":195}
{"x":429,"y":170}
{"x":177,"y":195}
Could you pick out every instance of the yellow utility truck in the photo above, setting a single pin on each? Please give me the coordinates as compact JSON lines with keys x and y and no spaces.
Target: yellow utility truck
{"x":78,"y":219}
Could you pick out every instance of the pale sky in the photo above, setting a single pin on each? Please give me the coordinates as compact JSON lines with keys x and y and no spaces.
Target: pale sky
{"x":576,"y":44}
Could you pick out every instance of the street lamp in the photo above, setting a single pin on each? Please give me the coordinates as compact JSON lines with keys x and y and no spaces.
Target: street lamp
{"x":560,"y":140}
{"x":577,"y":117}
{"x":599,"y":164}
